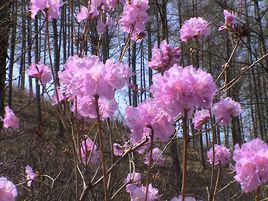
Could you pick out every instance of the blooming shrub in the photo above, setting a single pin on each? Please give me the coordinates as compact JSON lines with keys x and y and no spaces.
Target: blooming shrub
{"x":200,"y":117}
{"x":222,"y":155}
{"x":251,"y":165}
{"x":229,"y":18}
{"x":10,"y":119}
{"x":8,"y":191}
{"x":51,"y":7}
{"x":86,"y":78}
{"x":40,"y":72}
{"x":135,"y":17}
{"x":225,"y":109}
{"x":164,"y":57}
{"x":194,"y":28}
{"x":184,"y":88}
{"x":146,"y":115}
{"x":157,"y":156}
{"x":30,"y":175}
{"x":89,"y":152}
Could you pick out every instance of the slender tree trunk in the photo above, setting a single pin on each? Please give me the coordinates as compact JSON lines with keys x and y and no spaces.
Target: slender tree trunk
{"x":12,"y":53}
{"x":37,"y":86}
{"x":4,"y":33}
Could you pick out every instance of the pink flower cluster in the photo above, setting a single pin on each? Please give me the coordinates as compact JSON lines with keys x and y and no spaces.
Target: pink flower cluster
{"x":51,"y":7}
{"x":89,"y":151}
{"x":40,"y":72}
{"x":251,"y":164}
{"x":87,"y":14}
{"x":8,"y":191}
{"x":225,"y":109}
{"x":137,"y":191}
{"x":183,"y":88}
{"x":194,"y":28}
{"x":10,"y":119}
{"x":101,"y":26}
{"x":188,"y":198}
{"x":164,"y":57}
{"x":135,"y":17}
{"x":148,"y":114}
{"x":200,"y":117}
{"x":221,"y":157}
{"x":30,"y":175}
{"x":87,"y":78}
{"x":156,"y":157}
{"x":229,"y":20}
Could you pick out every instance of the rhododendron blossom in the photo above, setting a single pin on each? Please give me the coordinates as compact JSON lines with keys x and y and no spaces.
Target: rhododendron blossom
{"x":164,"y":57}
{"x":135,"y":17}
{"x":251,"y":165}
{"x":194,"y":28}
{"x":229,"y":20}
{"x":8,"y":191}
{"x":87,"y":14}
{"x":40,"y":72}
{"x":187,"y":198}
{"x":200,"y":117}
{"x":183,"y":88}
{"x":101,"y":26}
{"x":87,"y":78}
{"x":89,"y":152}
{"x":137,"y":191}
{"x":222,"y":155}
{"x":51,"y":7}
{"x":118,"y":149}
{"x":149,"y":114}
{"x":157,"y":156}
{"x":30,"y":175}
{"x":10,"y":119}
{"x":225,"y":109}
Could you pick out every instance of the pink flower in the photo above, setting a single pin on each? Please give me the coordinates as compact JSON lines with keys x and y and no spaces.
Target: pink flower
{"x":101,"y":26}
{"x":117,"y":74}
{"x":183,"y":88}
{"x":200,"y":117}
{"x":30,"y":175}
{"x":41,"y":72}
{"x":138,"y":193}
{"x":194,"y":28}
{"x":135,"y":17}
{"x":85,"y":78}
{"x":89,"y":152}
{"x":229,"y":20}
{"x":85,"y":14}
{"x":149,"y":114}
{"x":222,"y":155}
{"x":8,"y":191}
{"x":133,"y":178}
{"x":52,"y":7}
{"x":118,"y":149}
{"x":164,"y":57}
{"x":10,"y":119}
{"x":188,"y":198}
{"x":251,"y":164}
{"x":157,"y":153}
{"x":225,"y":109}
